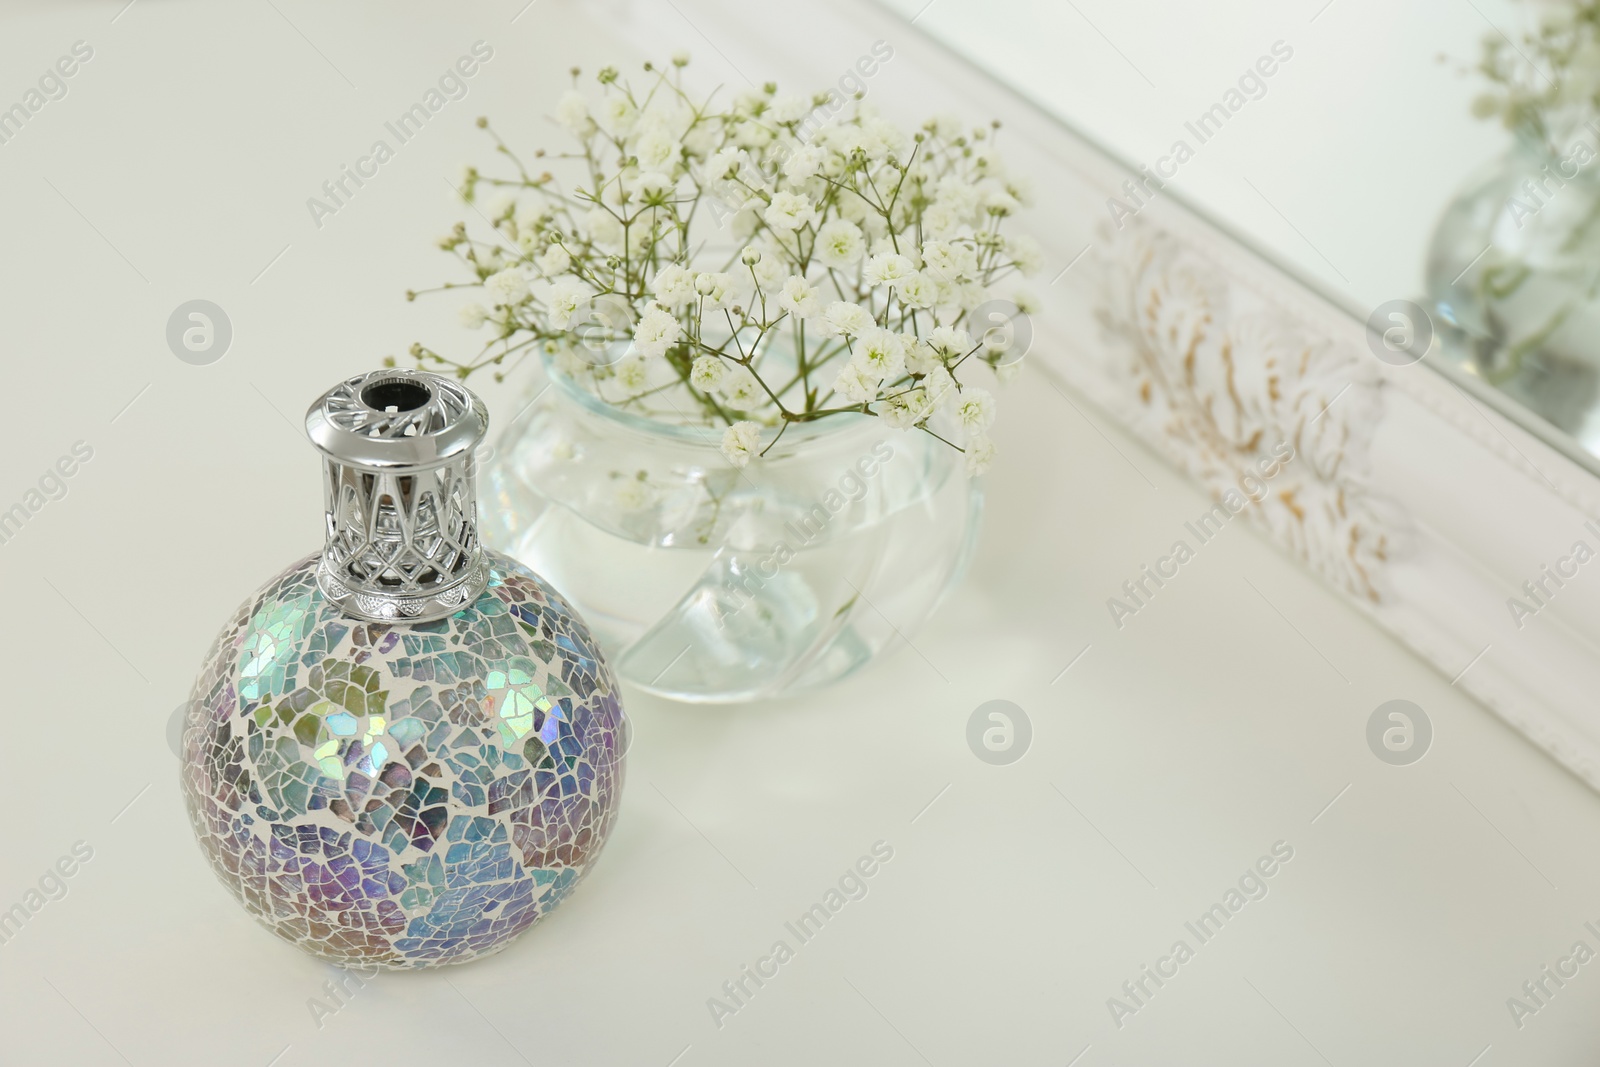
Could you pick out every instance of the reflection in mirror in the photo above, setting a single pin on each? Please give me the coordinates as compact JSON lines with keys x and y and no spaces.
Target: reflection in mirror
{"x":1433,"y":166}
{"x":1515,"y":261}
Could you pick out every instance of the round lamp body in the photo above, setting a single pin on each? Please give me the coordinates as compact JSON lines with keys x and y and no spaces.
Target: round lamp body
{"x":406,"y":762}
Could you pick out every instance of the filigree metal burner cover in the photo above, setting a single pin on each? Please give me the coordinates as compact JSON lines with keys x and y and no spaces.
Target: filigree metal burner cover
{"x":405,"y":749}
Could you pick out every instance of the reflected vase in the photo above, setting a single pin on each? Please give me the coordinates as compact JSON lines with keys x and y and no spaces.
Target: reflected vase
{"x":709,"y":583}
{"x":1513,"y":276}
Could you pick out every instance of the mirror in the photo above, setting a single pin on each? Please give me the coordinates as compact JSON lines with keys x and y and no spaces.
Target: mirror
{"x":1433,"y":166}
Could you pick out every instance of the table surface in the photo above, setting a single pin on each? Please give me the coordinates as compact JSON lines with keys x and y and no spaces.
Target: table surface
{"x":1225,"y":721}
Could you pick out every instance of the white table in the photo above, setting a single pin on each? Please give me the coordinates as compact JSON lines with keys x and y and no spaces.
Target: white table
{"x":1226,"y":717}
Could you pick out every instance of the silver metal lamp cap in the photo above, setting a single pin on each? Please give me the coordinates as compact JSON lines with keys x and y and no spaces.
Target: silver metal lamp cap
{"x":400,"y":486}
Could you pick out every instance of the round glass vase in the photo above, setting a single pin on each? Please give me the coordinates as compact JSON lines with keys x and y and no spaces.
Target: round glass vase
{"x":708,"y":583}
{"x":1514,"y":270}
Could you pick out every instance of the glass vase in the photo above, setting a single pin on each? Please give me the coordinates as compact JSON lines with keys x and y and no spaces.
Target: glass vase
{"x":709,"y":583}
{"x":1514,"y":270}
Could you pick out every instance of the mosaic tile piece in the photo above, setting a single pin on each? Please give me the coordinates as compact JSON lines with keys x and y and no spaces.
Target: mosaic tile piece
{"x":401,"y":794}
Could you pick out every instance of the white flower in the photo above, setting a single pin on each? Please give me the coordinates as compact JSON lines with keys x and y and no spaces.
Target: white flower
{"x":673,"y":285}
{"x":917,"y":290}
{"x":840,"y":244}
{"x":723,"y":165}
{"x":975,"y":410}
{"x":805,"y":163}
{"x":501,"y":204}
{"x":856,"y":384}
{"x":997,"y":199}
{"x":700,"y":139}
{"x":652,"y":185}
{"x":1025,"y":253}
{"x":567,"y":297}
{"x":790,"y":107}
{"x":948,"y":262}
{"x":658,"y":330}
{"x":905,"y":410}
{"x":656,"y":149}
{"x":961,"y":196}
{"x":980,"y":453}
{"x":770,"y":272}
{"x":940,"y":388}
{"x":880,"y":353}
{"x":509,"y":286}
{"x":707,"y":373}
{"x":941,"y":220}
{"x":920,"y":356}
{"x":617,"y":115}
{"x":632,"y":374}
{"x":603,"y":227}
{"x":789,"y":212}
{"x":572,"y":111}
{"x":799,"y":299}
{"x":531,"y":214}
{"x":949,"y":342}
{"x":552,"y":261}
{"x":473,"y":316}
{"x":750,"y":134}
{"x":886,"y":268}
{"x":716,"y":288}
{"x":739,"y":442}
{"x":740,"y":389}
{"x":847,"y":318}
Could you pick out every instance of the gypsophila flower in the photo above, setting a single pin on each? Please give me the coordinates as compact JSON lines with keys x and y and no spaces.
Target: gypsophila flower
{"x":714,"y":289}
{"x":916,"y":290}
{"x":732,"y":257}
{"x":980,"y":454}
{"x":706,"y":373}
{"x":739,"y":442}
{"x":789,"y":212}
{"x":800,"y":299}
{"x":572,"y":111}
{"x":553,"y":261}
{"x":855,"y":383}
{"x":904,"y":410}
{"x":951,"y":343}
{"x":509,"y":286}
{"x":940,"y":388}
{"x":740,"y":390}
{"x":656,"y":149}
{"x":946,"y":262}
{"x":1026,"y":253}
{"x":674,"y":285}
{"x":616,"y":115}
{"x":886,"y":268}
{"x":920,"y":356}
{"x":567,"y":297}
{"x":804,"y":163}
{"x":840,"y":244}
{"x":631,"y":374}
{"x":770,"y":272}
{"x":658,"y":330}
{"x":880,"y":353}
{"x":847,"y":318}
{"x":975,"y":410}
{"x":603,"y":227}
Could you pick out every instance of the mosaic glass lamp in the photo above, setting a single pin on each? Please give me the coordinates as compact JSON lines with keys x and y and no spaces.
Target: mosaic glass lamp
{"x":405,"y":749}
